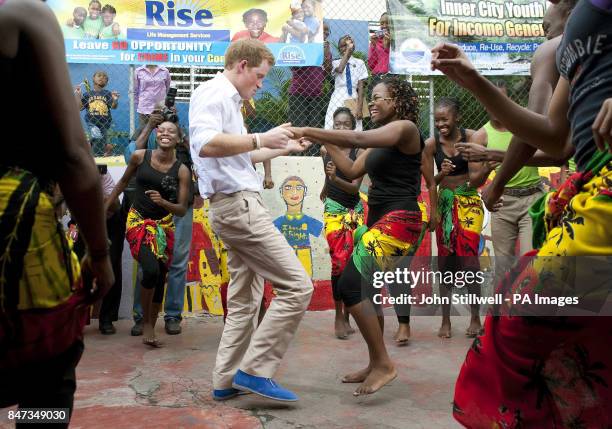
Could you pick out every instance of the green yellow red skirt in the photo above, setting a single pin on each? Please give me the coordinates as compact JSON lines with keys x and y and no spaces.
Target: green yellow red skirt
{"x":157,"y":235}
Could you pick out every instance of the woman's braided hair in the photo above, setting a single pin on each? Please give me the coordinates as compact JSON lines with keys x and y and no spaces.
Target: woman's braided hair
{"x":347,"y":111}
{"x":450,"y":103}
{"x":406,"y":98}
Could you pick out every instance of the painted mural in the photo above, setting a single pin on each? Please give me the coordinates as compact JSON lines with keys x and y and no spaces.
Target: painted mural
{"x":295,"y":225}
{"x":207,"y":271}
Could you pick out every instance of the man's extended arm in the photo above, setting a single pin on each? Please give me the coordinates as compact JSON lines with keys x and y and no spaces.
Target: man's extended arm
{"x":222,"y":144}
{"x":208,"y":138}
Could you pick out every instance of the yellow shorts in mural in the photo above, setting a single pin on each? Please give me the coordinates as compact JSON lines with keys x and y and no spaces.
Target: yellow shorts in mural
{"x":305,"y":257}
{"x":212,"y":266}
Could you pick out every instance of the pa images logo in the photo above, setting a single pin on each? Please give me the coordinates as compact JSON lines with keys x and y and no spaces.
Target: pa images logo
{"x":291,"y":55}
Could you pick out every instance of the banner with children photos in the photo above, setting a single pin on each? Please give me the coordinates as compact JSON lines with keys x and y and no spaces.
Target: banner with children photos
{"x":188,"y":32}
{"x":498,"y":37}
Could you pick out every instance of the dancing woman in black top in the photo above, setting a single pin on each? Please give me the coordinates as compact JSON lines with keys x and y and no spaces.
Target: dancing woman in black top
{"x":394,"y":224}
{"x":459,"y":206}
{"x":162,"y":190}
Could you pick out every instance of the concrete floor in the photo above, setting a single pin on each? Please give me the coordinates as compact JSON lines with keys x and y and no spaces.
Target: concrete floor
{"x":123,"y":384}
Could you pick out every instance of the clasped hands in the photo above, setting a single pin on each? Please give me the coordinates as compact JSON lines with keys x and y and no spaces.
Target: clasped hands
{"x":285,"y":137}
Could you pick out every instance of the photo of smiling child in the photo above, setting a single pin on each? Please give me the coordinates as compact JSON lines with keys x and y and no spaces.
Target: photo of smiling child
{"x":95,"y":22}
{"x":111,"y":29}
{"x":74,"y":28}
{"x":303,"y":25}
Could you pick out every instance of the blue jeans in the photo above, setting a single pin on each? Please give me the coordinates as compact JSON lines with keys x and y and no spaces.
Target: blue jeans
{"x":98,"y":137}
{"x":175,"y":291}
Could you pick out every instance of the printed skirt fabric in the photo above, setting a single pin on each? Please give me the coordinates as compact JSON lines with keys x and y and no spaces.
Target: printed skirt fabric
{"x":545,"y":371}
{"x":340,"y":224}
{"x":398,"y":233}
{"x":157,"y":235}
{"x":461,"y":217}
{"x":42,"y":303}
{"x":458,"y":232}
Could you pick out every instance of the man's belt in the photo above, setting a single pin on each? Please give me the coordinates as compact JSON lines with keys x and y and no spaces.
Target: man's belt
{"x":221,"y":196}
{"x":523,"y":192}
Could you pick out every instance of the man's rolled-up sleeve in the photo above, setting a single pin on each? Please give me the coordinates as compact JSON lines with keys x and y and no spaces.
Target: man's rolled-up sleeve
{"x":205,"y":120}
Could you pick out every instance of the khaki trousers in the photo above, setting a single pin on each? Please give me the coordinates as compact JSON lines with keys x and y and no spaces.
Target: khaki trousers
{"x":510,"y":223}
{"x":513,"y":222}
{"x":256,"y":250}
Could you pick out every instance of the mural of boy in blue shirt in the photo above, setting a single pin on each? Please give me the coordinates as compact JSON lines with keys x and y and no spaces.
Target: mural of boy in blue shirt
{"x":296,"y":226}
{"x":98,"y":104}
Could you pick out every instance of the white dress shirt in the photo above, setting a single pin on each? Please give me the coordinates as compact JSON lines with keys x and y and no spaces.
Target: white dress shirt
{"x":215,"y":108}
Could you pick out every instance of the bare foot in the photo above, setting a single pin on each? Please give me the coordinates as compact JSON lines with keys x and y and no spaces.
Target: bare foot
{"x":349,"y":329}
{"x":340,"y":329}
{"x":377,"y":378}
{"x":149,"y":338}
{"x":445,"y":330}
{"x":474,"y":329}
{"x":152,"y":342}
{"x":402,"y":335}
{"x":357,"y":377}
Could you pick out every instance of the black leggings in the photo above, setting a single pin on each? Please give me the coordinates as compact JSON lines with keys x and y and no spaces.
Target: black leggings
{"x":153,"y":273}
{"x":336,"y":288}
{"x":352,"y":286}
{"x":353,"y":289}
{"x":396,"y":290}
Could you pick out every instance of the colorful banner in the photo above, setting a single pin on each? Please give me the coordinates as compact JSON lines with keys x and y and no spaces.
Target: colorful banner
{"x":188,"y":32}
{"x":498,"y":36}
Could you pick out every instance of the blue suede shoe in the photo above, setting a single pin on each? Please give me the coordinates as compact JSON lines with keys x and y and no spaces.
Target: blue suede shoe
{"x":224,"y":394}
{"x":262,"y":386}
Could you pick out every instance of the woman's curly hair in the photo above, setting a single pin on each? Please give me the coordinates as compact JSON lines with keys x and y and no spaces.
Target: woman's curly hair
{"x":406,"y":98}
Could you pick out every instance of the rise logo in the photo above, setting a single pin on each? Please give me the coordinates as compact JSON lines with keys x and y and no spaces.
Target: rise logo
{"x":166,"y":15}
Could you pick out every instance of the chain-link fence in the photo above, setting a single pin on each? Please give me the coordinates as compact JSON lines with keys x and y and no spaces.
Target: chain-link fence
{"x":304,"y":96}
{"x":103,"y":93}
